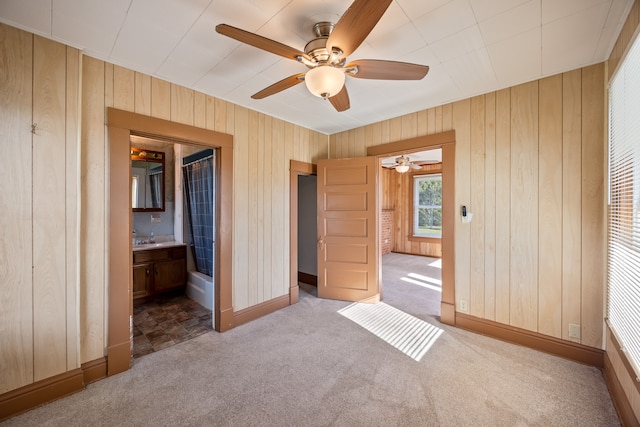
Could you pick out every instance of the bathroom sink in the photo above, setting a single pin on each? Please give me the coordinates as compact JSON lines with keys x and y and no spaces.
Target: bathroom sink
{"x":144,"y":246}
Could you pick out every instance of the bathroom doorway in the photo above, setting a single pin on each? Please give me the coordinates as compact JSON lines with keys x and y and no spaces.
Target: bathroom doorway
{"x":183,"y":230}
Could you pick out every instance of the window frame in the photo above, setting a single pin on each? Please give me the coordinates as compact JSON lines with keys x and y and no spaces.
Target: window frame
{"x":623,"y":203}
{"x":413,"y":207}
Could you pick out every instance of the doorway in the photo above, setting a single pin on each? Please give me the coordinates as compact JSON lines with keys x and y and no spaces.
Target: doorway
{"x":173,"y":244}
{"x":444,"y":141}
{"x":297,"y":169}
{"x":120,"y":126}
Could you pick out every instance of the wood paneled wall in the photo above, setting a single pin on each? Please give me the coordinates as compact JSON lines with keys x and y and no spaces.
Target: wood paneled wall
{"x":263,"y":146}
{"x":39,"y":177}
{"x":396,"y":195}
{"x":55,"y":197}
{"x":530,"y":167}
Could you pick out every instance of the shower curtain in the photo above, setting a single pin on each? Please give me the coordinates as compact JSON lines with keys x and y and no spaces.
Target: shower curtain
{"x":198,"y":179}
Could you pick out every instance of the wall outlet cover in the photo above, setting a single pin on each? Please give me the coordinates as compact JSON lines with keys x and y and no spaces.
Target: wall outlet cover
{"x":464,"y":306}
{"x":574,"y":331}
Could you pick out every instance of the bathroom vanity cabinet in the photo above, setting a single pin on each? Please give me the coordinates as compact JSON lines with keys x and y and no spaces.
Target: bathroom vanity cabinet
{"x":159,"y":270}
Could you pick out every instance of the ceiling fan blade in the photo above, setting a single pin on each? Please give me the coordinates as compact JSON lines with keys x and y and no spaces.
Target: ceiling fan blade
{"x":341,"y":101}
{"x":356,"y":24}
{"x":414,"y":166}
{"x":283,"y":84}
{"x":387,"y":70}
{"x":260,"y":42}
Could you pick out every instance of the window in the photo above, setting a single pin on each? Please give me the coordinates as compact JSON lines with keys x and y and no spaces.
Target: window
{"x":623,"y":283}
{"x":427,"y":206}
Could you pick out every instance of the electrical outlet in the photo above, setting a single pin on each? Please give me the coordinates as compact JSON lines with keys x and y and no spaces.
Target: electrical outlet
{"x":464,"y":306}
{"x":574,"y":331}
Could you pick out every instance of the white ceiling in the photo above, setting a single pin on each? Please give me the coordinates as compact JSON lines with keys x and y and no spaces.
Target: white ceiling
{"x":472,"y":46}
{"x":420,"y":157}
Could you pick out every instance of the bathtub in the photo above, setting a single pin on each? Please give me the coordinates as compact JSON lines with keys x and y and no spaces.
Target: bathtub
{"x":200,"y":288}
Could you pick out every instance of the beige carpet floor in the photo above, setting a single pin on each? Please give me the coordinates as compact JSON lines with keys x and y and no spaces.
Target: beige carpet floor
{"x":310,"y":365}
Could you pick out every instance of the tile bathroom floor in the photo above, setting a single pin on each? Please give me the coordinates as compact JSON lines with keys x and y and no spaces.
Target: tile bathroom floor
{"x":167,"y":320}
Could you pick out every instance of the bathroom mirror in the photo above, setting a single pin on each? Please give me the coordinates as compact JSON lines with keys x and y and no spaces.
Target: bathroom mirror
{"x":147,"y":180}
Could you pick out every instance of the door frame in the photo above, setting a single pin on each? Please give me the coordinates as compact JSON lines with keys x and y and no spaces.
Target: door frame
{"x":296,"y":168}
{"x":121,"y":124}
{"x":447,"y":142}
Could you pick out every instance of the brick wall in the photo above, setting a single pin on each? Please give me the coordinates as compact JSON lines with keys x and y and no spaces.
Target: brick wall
{"x":386,"y":230}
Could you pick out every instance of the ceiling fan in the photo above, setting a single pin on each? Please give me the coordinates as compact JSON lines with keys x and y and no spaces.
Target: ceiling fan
{"x":402,"y":164}
{"x":326,"y":55}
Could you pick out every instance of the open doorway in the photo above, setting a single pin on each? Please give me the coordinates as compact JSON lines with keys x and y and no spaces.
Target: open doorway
{"x":446,"y":142}
{"x":411,"y":231}
{"x":173,"y":217}
{"x":304,"y":269}
{"x":121,"y":125}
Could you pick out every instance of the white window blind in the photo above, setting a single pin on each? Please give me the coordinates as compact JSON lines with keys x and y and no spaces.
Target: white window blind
{"x":623,"y":303}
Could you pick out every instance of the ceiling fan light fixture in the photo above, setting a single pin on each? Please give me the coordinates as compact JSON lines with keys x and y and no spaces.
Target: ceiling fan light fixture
{"x":402,"y":168}
{"x":324,"y":81}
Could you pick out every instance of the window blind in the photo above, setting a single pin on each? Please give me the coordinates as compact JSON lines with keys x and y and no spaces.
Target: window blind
{"x":623,"y":302}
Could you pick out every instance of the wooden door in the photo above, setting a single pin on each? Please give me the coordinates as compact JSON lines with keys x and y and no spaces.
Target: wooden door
{"x":348,"y":250}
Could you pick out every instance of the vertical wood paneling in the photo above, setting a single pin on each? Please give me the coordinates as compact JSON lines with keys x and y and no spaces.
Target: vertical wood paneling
{"x":72,"y":170}
{"x":210,"y":121}
{"x":200,"y":110}
{"x":160,"y":99}
{"x":220,"y":116}
{"x":260,"y":187}
{"x":269,"y":191}
{"x":16,"y":243}
{"x":281,"y":279}
{"x":256,"y":293}
{"x":503,"y":206}
{"x":93,"y":221}
{"x":593,"y":202}
{"x":477,"y":187}
{"x":241,"y":293}
{"x":409,"y":125}
{"x":571,"y":199}
{"x":550,"y":207}
{"x":461,"y":122}
{"x":142,"y":101}
{"x":123,"y":88}
{"x":277,"y":203}
{"x":49,"y":209}
{"x":490,"y":208}
{"x":524,"y":206}
{"x":182,"y":105}
{"x":108,"y":86}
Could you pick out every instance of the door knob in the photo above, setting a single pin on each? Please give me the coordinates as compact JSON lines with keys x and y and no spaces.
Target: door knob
{"x":321,"y":243}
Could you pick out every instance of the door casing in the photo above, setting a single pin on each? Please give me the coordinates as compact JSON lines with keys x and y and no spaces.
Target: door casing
{"x":447,"y":142}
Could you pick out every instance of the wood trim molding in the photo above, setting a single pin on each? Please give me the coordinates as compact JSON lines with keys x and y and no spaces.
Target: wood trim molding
{"x":307,"y":278}
{"x":256,"y":311}
{"x":296,"y":168}
{"x":569,"y":350}
{"x":618,"y":396}
{"x":94,"y":370}
{"x":413,"y":144}
{"x":121,"y":124}
{"x":624,"y":357}
{"x":33,"y":395}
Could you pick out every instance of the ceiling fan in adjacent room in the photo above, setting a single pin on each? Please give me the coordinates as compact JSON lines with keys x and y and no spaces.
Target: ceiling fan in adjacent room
{"x":402,"y":164}
{"x":326,"y":55}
